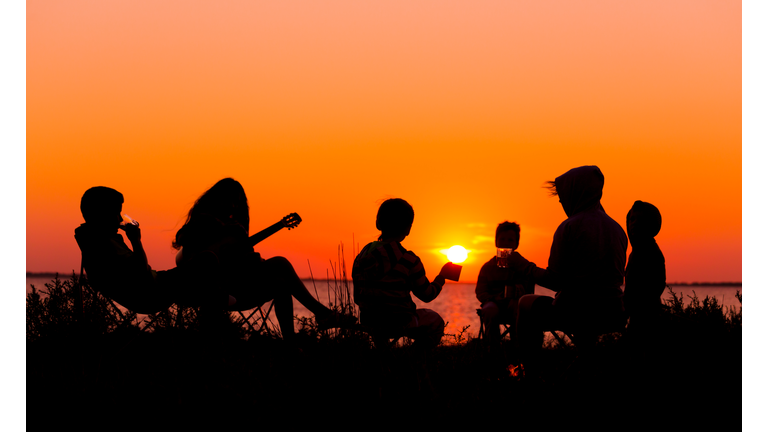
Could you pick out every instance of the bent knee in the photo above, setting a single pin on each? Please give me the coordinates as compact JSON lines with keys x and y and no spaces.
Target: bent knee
{"x":526,"y":302}
{"x":279,"y":263}
{"x":489,"y":311}
{"x":430,"y":318}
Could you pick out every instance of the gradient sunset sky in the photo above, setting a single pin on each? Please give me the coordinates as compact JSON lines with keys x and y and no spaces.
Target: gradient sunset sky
{"x":464,"y":109}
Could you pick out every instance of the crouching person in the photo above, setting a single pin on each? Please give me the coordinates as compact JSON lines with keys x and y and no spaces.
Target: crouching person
{"x":384,"y":276}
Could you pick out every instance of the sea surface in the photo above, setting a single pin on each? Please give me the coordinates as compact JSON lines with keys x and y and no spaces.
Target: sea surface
{"x":457,"y":303}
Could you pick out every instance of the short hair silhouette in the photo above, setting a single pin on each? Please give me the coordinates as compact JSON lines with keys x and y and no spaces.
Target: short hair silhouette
{"x":97,"y":201}
{"x":648,"y":219}
{"x":394,"y":218}
{"x":508,"y":226}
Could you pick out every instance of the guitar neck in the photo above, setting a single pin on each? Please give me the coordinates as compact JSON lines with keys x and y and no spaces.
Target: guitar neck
{"x":263,"y":234}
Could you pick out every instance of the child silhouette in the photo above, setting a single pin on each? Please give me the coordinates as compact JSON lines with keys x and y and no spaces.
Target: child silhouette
{"x":384,"y":276}
{"x":115,"y":270}
{"x":499,"y":286}
{"x":646,"y":276}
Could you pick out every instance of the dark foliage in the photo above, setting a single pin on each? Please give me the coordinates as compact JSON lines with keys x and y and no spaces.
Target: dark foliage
{"x":116,"y":366}
{"x":54,"y":313}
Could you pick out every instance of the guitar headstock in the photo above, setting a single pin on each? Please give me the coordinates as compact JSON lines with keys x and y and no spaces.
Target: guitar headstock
{"x":291,"y":221}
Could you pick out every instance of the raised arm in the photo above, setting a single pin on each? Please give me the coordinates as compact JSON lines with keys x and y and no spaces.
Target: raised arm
{"x":133,"y":232}
{"x":421,"y":287}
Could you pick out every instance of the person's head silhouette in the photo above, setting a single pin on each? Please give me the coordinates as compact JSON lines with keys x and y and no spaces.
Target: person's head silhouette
{"x":224,"y":200}
{"x":578,"y":189}
{"x":508,"y":235}
{"x":643,"y":222}
{"x":394,"y":219}
{"x":101,"y":207}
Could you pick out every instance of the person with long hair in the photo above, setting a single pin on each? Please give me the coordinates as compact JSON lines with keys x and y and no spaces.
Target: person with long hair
{"x":215,"y":236}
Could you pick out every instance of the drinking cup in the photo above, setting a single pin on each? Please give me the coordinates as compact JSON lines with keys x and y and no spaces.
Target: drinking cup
{"x":453,"y":271}
{"x":501,"y":256}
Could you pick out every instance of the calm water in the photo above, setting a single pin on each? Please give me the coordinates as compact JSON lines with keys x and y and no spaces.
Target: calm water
{"x":457,"y":303}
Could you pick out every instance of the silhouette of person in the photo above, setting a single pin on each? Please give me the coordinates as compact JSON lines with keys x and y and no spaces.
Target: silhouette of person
{"x":499,"y":287}
{"x":585,"y":268}
{"x":385,"y":274}
{"x":215,"y":234}
{"x":646,"y":276}
{"x":113,"y":269}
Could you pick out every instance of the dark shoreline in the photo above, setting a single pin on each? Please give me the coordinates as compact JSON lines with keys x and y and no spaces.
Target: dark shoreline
{"x":704,"y":283}
{"x":46,"y":274}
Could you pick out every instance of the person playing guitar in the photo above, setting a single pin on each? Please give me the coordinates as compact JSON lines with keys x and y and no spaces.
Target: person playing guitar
{"x":233,"y":243}
{"x":215,"y":240}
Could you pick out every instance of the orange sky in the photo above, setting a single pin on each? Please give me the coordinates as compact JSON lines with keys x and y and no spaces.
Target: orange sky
{"x":326,"y":108}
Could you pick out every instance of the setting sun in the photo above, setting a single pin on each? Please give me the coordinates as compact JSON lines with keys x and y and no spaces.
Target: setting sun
{"x":456,"y":254}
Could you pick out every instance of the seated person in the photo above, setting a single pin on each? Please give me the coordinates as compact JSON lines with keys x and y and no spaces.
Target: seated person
{"x":216,"y":235}
{"x":385,"y":274}
{"x":499,"y":287}
{"x":646,"y":276}
{"x":113,"y":269}
{"x":585,"y":269}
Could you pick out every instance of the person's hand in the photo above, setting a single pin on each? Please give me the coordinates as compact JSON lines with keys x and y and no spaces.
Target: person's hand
{"x":444,"y":271}
{"x":133,"y":232}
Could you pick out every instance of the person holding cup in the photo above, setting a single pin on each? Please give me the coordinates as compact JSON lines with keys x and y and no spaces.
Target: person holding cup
{"x":385,"y":275}
{"x":499,"y":286}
